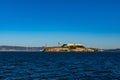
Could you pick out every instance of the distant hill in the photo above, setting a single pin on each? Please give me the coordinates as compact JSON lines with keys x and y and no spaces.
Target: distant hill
{"x":20,"y":48}
{"x":112,"y":50}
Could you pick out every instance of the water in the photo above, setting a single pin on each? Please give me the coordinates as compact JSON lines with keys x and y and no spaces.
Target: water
{"x":59,"y":66}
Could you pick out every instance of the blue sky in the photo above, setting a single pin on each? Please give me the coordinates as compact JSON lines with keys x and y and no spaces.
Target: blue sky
{"x":95,"y":23}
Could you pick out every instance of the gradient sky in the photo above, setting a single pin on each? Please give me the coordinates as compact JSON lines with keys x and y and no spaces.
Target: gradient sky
{"x":94,"y":23}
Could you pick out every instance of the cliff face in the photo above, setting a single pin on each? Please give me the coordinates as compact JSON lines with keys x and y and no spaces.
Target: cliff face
{"x":56,"y":49}
{"x":60,"y":49}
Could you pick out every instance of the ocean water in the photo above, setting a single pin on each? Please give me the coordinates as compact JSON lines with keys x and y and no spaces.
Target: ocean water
{"x":59,"y":66}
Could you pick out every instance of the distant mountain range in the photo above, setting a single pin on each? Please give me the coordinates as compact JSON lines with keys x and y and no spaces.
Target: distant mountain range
{"x":111,"y":50}
{"x":20,"y":48}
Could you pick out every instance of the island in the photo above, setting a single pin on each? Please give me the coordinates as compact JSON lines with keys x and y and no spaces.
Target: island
{"x":70,"y":48}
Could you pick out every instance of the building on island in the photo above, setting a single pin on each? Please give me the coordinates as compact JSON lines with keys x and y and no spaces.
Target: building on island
{"x":72,"y":45}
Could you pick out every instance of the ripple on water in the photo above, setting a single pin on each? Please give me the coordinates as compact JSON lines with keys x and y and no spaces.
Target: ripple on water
{"x":59,"y":66}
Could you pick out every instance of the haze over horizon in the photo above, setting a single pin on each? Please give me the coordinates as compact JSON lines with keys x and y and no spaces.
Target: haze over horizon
{"x":94,"y":23}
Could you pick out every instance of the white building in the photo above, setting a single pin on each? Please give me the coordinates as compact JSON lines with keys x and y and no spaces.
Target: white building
{"x":68,"y":45}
